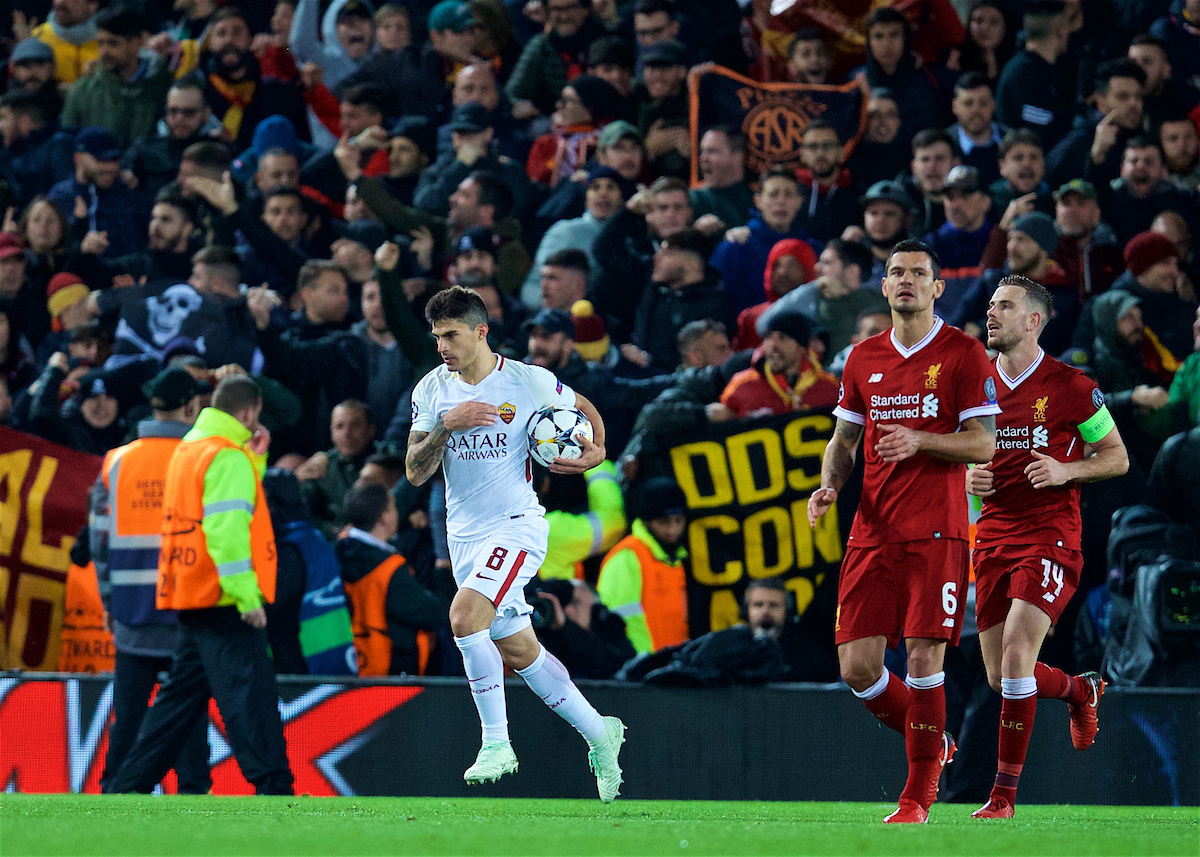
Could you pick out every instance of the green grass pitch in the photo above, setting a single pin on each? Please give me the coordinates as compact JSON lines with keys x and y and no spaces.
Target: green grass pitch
{"x":265,"y":827}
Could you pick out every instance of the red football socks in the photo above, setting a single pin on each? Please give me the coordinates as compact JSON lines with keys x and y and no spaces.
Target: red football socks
{"x":1016,"y":725}
{"x":1053,"y":683}
{"x":924,"y":724}
{"x":890,"y":706}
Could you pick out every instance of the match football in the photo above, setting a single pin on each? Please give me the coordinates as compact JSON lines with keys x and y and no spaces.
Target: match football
{"x":553,"y":431}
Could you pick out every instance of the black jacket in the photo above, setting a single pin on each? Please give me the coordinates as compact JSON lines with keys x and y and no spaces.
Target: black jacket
{"x":663,"y":311}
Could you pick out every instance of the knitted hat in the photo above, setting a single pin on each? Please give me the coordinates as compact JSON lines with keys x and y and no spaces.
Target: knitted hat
{"x":63,"y":292}
{"x":658,"y":498}
{"x":94,"y":383}
{"x":619,"y":130}
{"x":1040,"y":227}
{"x":1147,"y":249}
{"x":791,"y":323}
{"x":627,"y":187}
{"x":599,"y":96}
{"x":591,"y":339}
{"x":420,"y":131}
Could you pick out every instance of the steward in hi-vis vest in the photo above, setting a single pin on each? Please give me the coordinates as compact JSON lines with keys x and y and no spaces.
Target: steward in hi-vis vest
{"x":642,"y":579}
{"x":125,"y":533}
{"x":394,"y":617}
{"x":217,"y":568}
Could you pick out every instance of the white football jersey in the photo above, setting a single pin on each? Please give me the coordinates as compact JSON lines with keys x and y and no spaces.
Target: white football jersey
{"x":489,"y":474}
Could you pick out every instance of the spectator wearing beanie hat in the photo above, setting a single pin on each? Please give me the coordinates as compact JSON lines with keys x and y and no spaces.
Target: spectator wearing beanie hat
{"x":87,"y":422}
{"x":1152,"y":263}
{"x":69,"y":307}
{"x":642,"y":578}
{"x":586,"y":105}
{"x":785,"y":375}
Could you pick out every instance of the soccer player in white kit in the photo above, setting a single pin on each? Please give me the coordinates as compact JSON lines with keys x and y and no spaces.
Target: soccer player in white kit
{"x":472,"y":416}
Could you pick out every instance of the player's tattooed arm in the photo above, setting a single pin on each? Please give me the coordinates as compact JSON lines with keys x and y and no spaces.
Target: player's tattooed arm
{"x":425,"y":451}
{"x":840,"y":453}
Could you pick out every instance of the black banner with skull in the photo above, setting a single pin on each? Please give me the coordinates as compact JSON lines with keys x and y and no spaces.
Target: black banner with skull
{"x":154,"y":320}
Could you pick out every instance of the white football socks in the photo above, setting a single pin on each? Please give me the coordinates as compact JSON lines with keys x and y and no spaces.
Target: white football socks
{"x":485,"y":677}
{"x":549,"y":679}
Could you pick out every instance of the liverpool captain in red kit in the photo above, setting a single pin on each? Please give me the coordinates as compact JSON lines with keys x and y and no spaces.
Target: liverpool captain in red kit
{"x":1055,"y":432}
{"x":924,"y":397}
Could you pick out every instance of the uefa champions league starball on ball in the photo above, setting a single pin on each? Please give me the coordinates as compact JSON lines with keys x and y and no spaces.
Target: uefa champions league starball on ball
{"x":552,"y":434}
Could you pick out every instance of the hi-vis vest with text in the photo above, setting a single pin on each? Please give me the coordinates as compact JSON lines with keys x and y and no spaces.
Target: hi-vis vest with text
{"x":187,"y":576}
{"x":134,"y":476}
{"x":368,"y":617}
{"x":664,"y":593}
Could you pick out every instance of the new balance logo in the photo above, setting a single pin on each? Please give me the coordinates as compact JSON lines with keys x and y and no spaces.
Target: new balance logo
{"x":875,"y":378}
{"x":947,"y":623}
{"x":929,"y":406}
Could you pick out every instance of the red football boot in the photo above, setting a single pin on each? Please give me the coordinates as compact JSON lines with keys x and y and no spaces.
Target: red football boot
{"x":1084,"y":725}
{"x":908,"y":812}
{"x":996,"y":807}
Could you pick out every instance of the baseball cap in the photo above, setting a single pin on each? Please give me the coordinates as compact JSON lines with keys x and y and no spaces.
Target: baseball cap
{"x":888,"y":191}
{"x":173,"y":388}
{"x":552,"y":321}
{"x":470,"y":118}
{"x":477,"y":238}
{"x":420,"y":131}
{"x":32,"y":50}
{"x":99,"y":143}
{"x":963,"y":178}
{"x":368,"y":233}
{"x":665,"y":53}
{"x":356,"y":9}
{"x":451,"y":15}
{"x":615,"y":131}
{"x":10,"y":245}
{"x":1085,"y":189}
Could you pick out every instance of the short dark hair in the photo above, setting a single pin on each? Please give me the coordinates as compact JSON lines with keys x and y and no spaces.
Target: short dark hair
{"x":120,"y":21}
{"x":1035,"y":294}
{"x":775,"y":584}
{"x":1039,"y":17}
{"x":1019,"y":137}
{"x":209,"y":154}
{"x":187,"y":83}
{"x":666,"y":184}
{"x":366,"y":95}
{"x":651,"y":7}
{"x":853,"y":253}
{"x":611,"y":50}
{"x":364,"y":504}
{"x":494,"y":191}
{"x":1122,"y":67}
{"x":969,"y":80}
{"x":779,"y":171}
{"x":931,"y":137}
{"x":221,"y":259}
{"x":571,"y":258}
{"x":886,"y":15}
{"x":227,"y":12}
{"x":31,"y":104}
{"x":821,"y":125}
{"x":235,"y":393}
{"x":1141,"y":141}
{"x":190,"y":209}
{"x":313,"y":269}
{"x":456,"y":304}
{"x":1147,"y":39}
{"x":283,"y":190}
{"x":733,"y":137}
{"x":694,"y":331}
{"x":360,"y":406}
{"x":913,"y":245}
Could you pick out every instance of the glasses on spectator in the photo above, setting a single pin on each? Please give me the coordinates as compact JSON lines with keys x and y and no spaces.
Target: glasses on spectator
{"x":186,"y":112}
{"x":827,"y":146}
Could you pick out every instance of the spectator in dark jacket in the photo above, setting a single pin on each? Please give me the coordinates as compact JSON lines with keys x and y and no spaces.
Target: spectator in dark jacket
{"x":581,"y":632}
{"x":36,"y":154}
{"x":1032,"y":92}
{"x":682,"y":288}
{"x":891,"y":64}
{"x":88,"y":421}
{"x":153,"y":160}
{"x":551,"y":59}
{"x":94,"y":194}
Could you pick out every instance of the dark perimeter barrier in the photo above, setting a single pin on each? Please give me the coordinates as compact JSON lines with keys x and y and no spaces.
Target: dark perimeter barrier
{"x":780,"y":742}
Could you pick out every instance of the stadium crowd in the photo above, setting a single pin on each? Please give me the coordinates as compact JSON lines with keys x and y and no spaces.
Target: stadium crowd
{"x":278,"y":191}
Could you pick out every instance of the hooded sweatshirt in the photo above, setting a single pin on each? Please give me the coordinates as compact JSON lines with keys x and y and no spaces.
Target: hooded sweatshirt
{"x":747,"y":335}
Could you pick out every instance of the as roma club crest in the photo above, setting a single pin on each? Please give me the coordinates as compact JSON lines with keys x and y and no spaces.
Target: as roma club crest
{"x":507,"y":412}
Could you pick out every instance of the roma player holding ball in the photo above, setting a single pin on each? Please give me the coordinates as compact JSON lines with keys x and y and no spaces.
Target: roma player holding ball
{"x":471,"y":417}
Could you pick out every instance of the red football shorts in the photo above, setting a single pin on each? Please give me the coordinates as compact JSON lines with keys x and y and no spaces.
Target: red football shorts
{"x":1044,"y":575}
{"x":901,"y":590}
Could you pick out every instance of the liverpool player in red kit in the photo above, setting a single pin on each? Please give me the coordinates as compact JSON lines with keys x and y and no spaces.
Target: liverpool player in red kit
{"x":1055,"y":433}
{"x":924,"y":396}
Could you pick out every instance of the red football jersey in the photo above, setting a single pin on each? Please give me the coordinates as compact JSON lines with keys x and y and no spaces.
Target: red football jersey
{"x":935,"y":385}
{"x":1043,"y":410}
